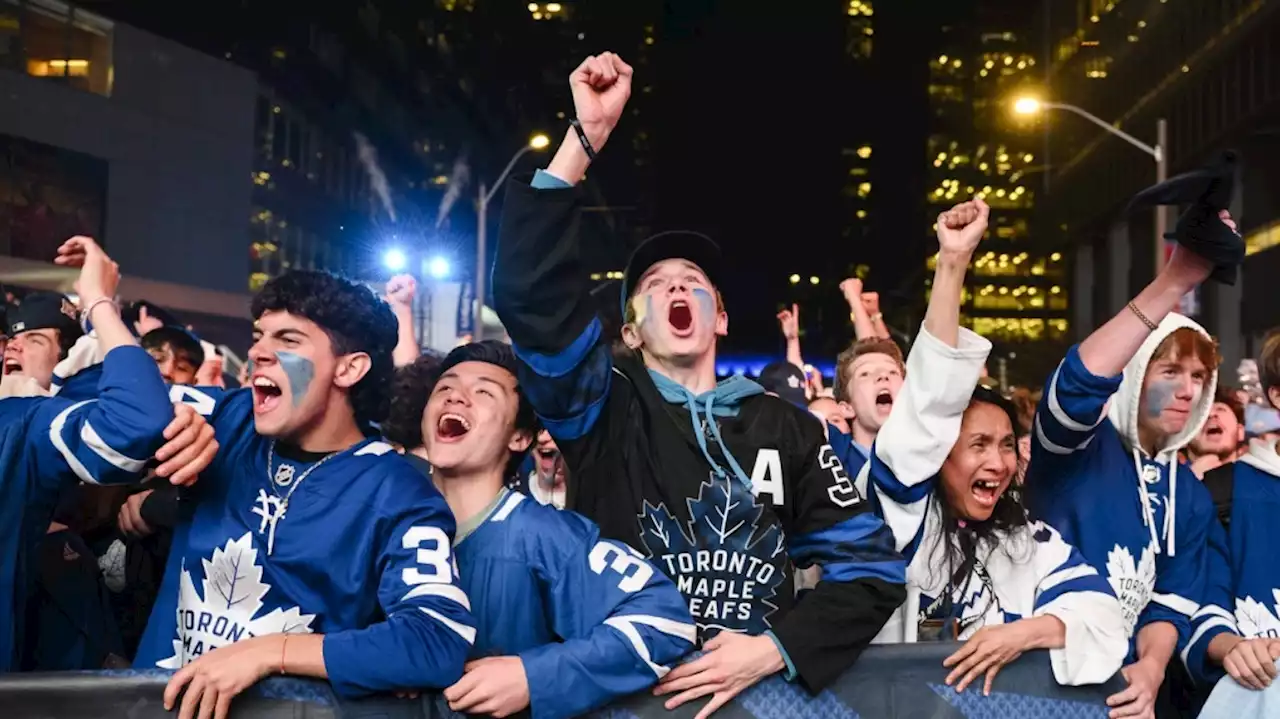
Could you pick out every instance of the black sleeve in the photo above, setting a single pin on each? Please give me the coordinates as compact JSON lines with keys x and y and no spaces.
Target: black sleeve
{"x":1220,"y":481}
{"x":863,"y":575}
{"x":540,"y":291}
{"x":163,"y":507}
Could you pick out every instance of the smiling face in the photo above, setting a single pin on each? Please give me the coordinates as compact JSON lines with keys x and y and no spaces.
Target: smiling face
{"x":674,"y":314}
{"x":296,"y":376}
{"x":874,"y":382}
{"x":469,"y":424}
{"x":175,"y":367}
{"x":548,"y":462}
{"x":982,"y":462}
{"x":33,"y":354}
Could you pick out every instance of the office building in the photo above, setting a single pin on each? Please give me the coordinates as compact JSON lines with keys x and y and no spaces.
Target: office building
{"x":113,"y":132}
{"x":1204,"y":68}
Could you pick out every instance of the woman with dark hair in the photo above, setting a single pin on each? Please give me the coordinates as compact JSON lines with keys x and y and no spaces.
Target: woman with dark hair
{"x":940,"y":473}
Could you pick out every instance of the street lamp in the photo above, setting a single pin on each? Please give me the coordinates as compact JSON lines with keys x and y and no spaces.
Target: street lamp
{"x":536,"y":143}
{"x":1158,"y":152}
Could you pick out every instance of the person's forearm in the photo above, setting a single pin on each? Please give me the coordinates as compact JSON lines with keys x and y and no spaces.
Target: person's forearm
{"x":570,"y":162}
{"x":1106,"y":352}
{"x":793,"y":352}
{"x":1220,"y":646}
{"x":406,"y":350}
{"x":302,"y":655}
{"x":863,"y":328}
{"x":942,"y":318}
{"x":878,"y":326}
{"x":1157,"y":642}
{"x":1044,"y":632}
{"x":112,"y":331}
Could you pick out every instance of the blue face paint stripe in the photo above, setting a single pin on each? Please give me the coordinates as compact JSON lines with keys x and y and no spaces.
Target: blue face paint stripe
{"x":706,"y":303}
{"x":300,"y":371}
{"x":1159,"y":396}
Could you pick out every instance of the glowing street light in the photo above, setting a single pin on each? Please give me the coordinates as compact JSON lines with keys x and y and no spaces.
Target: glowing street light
{"x":395,"y":260}
{"x":795,"y":279}
{"x":1026,"y":106}
{"x":438,"y":268}
{"x":539,"y":141}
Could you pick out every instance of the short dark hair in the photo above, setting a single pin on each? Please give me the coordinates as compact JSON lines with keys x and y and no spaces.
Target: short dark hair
{"x":860,"y":348}
{"x":353,"y":317}
{"x":414,"y":384}
{"x":183,"y":344}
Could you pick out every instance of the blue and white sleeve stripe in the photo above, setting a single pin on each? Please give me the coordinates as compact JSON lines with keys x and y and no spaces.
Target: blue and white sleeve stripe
{"x":1074,"y":405}
{"x":568,"y":389}
{"x":860,"y":547}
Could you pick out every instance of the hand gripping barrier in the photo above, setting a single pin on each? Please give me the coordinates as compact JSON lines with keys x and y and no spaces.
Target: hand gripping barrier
{"x":889,"y":682}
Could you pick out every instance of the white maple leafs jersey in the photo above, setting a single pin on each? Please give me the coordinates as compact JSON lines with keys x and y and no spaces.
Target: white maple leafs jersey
{"x":361,"y":553}
{"x":1026,"y":572}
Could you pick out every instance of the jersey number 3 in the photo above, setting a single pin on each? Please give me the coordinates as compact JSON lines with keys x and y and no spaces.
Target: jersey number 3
{"x":623,"y":559}
{"x":843,"y":493}
{"x":434,"y":556}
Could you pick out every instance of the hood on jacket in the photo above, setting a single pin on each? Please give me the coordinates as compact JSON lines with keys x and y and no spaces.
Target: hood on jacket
{"x":1123,"y":413}
{"x":1126,"y":402}
{"x":1262,"y":456}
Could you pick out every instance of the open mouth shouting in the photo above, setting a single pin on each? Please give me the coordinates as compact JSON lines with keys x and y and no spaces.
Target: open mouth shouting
{"x":12,"y":366}
{"x":884,"y":401}
{"x":452,"y":427}
{"x":1213,"y":430}
{"x":986,"y":492}
{"x":266,"y":395}
{"x":680,"y":316}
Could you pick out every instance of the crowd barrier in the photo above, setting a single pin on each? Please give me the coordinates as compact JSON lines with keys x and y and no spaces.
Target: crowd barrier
{"x":889,"y":682}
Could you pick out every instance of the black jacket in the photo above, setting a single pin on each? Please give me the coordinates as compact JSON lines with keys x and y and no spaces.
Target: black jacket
{"x":637,"y":470}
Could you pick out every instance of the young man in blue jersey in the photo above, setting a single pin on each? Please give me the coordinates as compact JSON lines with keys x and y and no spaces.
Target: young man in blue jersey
{"x":726,"y":489}
{"x":311,"y":548}
{"x":1237,"y":629}
{"x":1105,"y":472}
{"x":48,"y":444}
{"x":565,"y":621}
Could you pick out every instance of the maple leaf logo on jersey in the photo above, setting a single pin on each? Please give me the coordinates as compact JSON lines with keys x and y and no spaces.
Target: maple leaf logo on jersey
{"x":1254,"y":619}
{"x":232,"y":596}
{"x":1132,"y":583}
{"x":722,"y":562}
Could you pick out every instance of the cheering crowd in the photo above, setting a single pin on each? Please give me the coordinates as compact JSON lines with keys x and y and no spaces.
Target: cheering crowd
{"x":585,"y":512}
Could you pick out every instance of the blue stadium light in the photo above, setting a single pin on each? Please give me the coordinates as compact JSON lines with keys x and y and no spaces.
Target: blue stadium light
{"x":395,"y":260}
{"x":438,"y":268}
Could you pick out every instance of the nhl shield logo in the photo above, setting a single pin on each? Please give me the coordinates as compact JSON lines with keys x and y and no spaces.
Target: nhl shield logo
{"x":284,"y":475}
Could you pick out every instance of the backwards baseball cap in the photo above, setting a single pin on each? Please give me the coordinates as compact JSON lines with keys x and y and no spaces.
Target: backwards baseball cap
{"x":45,"y":310}
{"x":1199,"y":229}
{"x":785,"y":380}
{"x":672,"y":245}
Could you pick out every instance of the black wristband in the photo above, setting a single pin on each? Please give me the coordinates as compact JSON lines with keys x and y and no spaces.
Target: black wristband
{"x":582,"y":137}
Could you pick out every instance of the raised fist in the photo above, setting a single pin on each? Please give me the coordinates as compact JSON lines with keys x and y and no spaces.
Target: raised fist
{"x":789,"y":319}
{"x":99,"y":276}
{"x":961,"y":228}
{"x":852,"y":289}
{"x":601,"y":86}
{"x":401,"y":290}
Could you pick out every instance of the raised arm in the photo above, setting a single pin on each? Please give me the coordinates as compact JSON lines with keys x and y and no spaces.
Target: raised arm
{"x":539,"y":286}
{"x":789,"y":323}
{"x":863,"y":325}
{"x":400,"y":293}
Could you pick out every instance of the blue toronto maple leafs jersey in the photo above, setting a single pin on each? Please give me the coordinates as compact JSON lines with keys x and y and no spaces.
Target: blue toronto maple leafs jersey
{"x":361,"y":554}
{"x":49,"y":443}
{"x":1084,"y":481}
{"x":1242,"y":594}
{"x":590,"y":619}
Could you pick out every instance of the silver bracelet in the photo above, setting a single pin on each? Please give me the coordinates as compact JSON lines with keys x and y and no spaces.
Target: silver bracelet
{"x":88,"y":309}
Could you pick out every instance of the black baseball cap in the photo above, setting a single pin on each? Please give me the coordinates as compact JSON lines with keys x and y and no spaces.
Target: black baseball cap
{"x":44,"y":310}
{"x":785,"y":380}
{"x":673,"y":244}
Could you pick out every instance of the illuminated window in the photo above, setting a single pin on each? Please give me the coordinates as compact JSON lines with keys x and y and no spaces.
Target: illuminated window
{"x":1014,"y":329}
{"x":70,"y":45}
